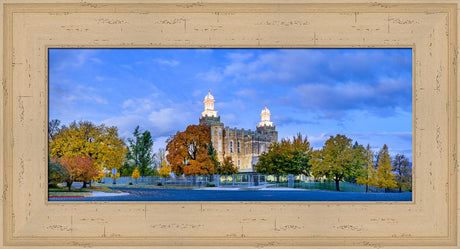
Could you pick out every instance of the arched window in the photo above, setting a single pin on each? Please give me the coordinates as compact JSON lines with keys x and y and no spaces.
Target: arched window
{"x":231,"y":146}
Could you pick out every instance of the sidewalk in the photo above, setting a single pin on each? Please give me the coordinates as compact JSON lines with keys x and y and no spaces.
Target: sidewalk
{"x":242,"y":187}
{"x":104,"y":194}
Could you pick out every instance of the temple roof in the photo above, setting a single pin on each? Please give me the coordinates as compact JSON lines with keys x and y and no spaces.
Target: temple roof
{"x":209,"y":96}
{"x":266,"y":110}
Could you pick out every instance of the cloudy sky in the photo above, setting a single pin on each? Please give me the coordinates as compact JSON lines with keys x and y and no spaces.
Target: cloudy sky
{"x":365,"y":94}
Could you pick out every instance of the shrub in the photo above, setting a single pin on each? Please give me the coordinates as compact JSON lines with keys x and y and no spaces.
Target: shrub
{"x":209,"y":184}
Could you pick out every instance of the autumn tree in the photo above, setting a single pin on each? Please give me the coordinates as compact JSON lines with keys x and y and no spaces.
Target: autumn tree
{"x":403,"y":169}
{"x":88,"y":170}
{"x":369,"y":176}
{"x":337,"y":160}
{"x":86,"y":139}
{"x":385,"y":178}
{"x":287,"y":157}
{"x":227,"y":167}
{"x":79,"y":168}
{"x":140,"y":150}
{"x":164,"y":170}
{"x":160,"y":157}
{"x":135,"y":174}
{"x":100,"y":176}
{"x":187,"y":151}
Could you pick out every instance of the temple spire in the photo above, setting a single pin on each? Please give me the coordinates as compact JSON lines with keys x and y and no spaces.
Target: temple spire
{"x":265,"y":117}
{"x":209,"y":106}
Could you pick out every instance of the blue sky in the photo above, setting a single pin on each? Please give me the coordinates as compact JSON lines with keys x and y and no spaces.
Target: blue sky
{"x":365,"y":94}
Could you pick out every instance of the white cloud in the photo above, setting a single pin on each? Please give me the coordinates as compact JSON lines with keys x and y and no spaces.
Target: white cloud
{"x":79,"y":93}
{"x":248,"y":93}
{"x":72,"y":58}
{"x":212,"y":76}
{"x":137,"y":106}
{"x":385,"y":94}
{"x":239,"y":56}
{"x":317,"y":141}
{"x":171,"y":63}
{"x":96,"y":60}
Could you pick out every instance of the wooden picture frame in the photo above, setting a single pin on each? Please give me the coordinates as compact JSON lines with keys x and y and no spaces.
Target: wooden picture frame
{"x":29,"y":29}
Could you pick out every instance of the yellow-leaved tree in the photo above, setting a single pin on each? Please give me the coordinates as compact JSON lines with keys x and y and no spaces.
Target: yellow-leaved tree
{"x":385,"y":179}
{"x":165,"y":169}
{"x":369,"y":176}
{"x":100,"y":176}
{"x":135,"y":174}
{"x":98,"y":142}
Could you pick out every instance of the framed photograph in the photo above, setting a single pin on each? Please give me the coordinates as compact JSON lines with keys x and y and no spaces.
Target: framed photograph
{"x":270,"y":123}
{"x":31,"y":30}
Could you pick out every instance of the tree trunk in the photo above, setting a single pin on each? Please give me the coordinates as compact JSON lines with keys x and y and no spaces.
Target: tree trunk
{"x":337,"y":187}
{"x":277,"y":179}
{"x":69,"y":185}
{"x":399,"y":189}
{"x":84,"y":184}
{"x":367,"y":188}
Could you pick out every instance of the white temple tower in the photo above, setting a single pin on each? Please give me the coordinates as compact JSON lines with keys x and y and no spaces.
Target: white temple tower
{"x":265,"y":118}
{"x":209,"y":106}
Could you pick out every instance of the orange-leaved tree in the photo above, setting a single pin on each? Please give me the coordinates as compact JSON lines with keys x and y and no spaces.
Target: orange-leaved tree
{"x":187,"y":151}
{"x":79,"y":168}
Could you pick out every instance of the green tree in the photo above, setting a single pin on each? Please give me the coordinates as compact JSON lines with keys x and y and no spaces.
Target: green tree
{"x":271,"y":161}
{"x":385,"y":179}
{"x":188,"y":151}
{"x":287,"y":157}
{"x":227,"y":167}
{"x":403,"y":170}
{"x":337,"y":160}
{"x":127,"y":168}
{"x":140,"y":150}
{"x":57,"y":173}
{"x":212,"y":153}
{"x":297,"y":154}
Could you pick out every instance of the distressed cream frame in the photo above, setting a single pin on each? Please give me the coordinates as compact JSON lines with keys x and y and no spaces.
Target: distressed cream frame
{"x":31,"y":27}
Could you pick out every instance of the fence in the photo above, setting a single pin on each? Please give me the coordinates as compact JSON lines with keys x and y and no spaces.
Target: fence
{"x":245,"y":180}
{"x":237,"y":180}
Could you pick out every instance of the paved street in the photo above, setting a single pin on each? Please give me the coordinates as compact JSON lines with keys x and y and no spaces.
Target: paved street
{"x":146,"y":194}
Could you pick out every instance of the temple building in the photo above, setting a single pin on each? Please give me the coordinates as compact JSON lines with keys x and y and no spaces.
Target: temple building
{"x":244,"y":146}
